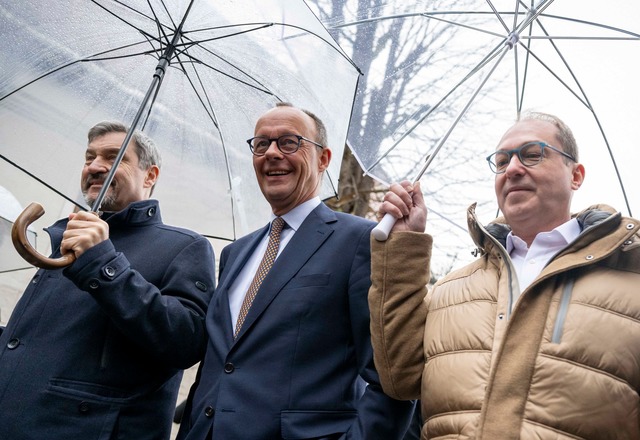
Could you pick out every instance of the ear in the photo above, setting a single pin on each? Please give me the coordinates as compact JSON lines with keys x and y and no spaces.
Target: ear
{"x":151,"y":176}
{"x":577,"y":177}
{"x":324,"y":158}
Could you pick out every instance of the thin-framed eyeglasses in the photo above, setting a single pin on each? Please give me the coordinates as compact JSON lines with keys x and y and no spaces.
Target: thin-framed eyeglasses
{"x":529,"y":154}
{"x":287,"y":144}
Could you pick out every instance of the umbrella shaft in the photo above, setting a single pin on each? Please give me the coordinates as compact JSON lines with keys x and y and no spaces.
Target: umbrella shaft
{"x":155,"y":83}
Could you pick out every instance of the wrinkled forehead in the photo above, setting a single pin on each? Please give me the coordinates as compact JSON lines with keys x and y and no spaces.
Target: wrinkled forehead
{"x":530,"y":130}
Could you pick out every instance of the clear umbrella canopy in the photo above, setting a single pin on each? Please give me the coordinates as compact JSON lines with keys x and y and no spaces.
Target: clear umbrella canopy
{"x":444,"y":79}
{"x":72,"y":63}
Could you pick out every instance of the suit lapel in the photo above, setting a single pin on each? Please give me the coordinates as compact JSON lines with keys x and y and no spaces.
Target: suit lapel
{"x":311,"y":235}
{"x":236,"y":260}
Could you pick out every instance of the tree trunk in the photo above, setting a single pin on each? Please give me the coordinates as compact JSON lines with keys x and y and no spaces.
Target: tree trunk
{"x":355,"y":190}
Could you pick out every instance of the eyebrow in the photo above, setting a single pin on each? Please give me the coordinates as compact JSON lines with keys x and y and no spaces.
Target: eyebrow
{"x":106,"y":150}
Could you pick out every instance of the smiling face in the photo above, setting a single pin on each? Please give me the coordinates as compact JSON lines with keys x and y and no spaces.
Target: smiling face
{"x":130,"y":183}
{"x":287,"y":180}
{"x":536,"y":199}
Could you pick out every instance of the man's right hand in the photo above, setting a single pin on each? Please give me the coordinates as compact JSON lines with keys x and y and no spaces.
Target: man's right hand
{"x":405,"y":202}
{"x":84,"y":230}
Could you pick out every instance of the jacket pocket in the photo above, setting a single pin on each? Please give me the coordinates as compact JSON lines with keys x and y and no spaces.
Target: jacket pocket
{"x":78,"y":410}
{"x":318,"y":279}
{"x":297,"y":425}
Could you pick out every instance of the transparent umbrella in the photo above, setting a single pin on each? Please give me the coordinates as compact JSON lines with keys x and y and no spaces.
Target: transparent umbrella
{"x":444,"y":79}
{"x":194,"y":75}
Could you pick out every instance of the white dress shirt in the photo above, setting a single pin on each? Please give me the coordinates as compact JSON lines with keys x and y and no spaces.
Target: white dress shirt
{"x":529,"y":262}
{"x":293,"y":219}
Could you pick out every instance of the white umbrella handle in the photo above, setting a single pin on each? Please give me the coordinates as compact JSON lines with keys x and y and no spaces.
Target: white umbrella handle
{"x":382,"y":230}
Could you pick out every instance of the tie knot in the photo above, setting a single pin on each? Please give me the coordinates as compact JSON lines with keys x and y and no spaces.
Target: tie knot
{"x":277,"y":225}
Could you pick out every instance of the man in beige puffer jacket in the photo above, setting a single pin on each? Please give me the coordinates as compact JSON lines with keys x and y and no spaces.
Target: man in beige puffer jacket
{"x":537,"y":339}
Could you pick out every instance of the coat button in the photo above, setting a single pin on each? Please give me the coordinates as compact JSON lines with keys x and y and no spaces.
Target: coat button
{"x":151,"y":212}
{"x":208,"y":411}
{"x":94,"y":284}
{"x":13,"y":343}
{"x":229,"y":367}
{"x":109,"y":271}
{"x":83,"y":407}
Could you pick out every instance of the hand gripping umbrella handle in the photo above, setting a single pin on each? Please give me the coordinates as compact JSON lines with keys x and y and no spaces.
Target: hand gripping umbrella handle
{"x":19,"y":237}
{"x":382,"y":230}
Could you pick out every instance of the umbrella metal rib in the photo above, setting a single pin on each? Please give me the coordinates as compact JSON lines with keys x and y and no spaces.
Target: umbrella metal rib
{"x":515,"y":38}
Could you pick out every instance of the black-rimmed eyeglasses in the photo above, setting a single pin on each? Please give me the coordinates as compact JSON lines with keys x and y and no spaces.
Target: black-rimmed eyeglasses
{"x":529,"y":154}
{"x":287,"y":144}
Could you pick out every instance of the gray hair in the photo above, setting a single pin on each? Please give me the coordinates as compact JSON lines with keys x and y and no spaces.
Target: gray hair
{"x":321,"y":130}
{"x":564,"y":134}
{"x":146,"y":149}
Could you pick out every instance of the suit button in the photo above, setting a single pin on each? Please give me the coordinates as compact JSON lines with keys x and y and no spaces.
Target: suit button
{"x":13,"y":343}
{"x":208,"y":411}
{"x":83,"y":407}
{"x":229,"y":367}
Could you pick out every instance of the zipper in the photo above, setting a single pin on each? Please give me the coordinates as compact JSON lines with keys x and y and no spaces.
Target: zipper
{"x":563,"y":308}
{"x":507,"y":262}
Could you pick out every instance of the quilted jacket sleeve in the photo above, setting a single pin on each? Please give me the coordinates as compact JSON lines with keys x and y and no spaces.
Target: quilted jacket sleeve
{"x":399,"y":276}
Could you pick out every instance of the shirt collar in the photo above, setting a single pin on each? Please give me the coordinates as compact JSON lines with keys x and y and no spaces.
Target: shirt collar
{"x":297,"y":215}
{"x":563,"y":234}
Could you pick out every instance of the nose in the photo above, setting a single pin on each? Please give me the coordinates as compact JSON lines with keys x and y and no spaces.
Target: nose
{"x":99,"y":165}
{"x":273,"y":150}
{"x":514,"y":167}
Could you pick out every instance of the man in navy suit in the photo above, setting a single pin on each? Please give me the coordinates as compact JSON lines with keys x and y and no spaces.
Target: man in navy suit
{"x":299,"y":366}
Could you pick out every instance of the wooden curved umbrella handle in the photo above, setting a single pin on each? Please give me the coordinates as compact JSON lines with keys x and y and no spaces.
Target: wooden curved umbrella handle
{"x":19,"y":237}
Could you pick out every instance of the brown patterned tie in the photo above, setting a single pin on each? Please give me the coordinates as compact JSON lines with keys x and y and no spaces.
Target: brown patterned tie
{"x":267,"y":261}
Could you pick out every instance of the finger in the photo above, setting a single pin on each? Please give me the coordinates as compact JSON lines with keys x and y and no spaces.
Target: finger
{"x":417,"y":197}
{"x":390,"y":208}
{"x":402,"y":190}
{"x":86,"y":216}
{"x":400,"y":203}
{"x":408,"y":186}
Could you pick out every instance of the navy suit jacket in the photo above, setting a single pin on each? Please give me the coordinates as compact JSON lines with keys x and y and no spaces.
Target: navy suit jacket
{"x":302,"y":365}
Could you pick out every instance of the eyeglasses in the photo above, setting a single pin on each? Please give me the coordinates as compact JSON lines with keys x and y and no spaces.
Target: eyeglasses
{"x":287,"y":144}
{"x":529,"y":154}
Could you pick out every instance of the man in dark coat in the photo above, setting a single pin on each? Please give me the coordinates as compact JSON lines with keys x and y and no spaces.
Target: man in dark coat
{"x":96,"y":350}
{"x":297,"y":362}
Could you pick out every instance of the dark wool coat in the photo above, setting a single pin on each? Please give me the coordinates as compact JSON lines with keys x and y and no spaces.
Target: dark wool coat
{"x":95,"y":351}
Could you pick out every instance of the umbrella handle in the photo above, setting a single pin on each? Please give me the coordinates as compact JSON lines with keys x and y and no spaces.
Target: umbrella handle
{"x":19,"y":237}
{"x":382,"y":230}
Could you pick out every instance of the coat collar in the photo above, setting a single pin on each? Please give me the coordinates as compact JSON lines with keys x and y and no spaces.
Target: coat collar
{"x":587,"y":219}
{"x":137,"y":213}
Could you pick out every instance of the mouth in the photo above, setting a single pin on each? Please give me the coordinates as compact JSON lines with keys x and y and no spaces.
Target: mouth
{"x":276,"y":173}
{"x":96,"y":184}
{"x":516,"y":189}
